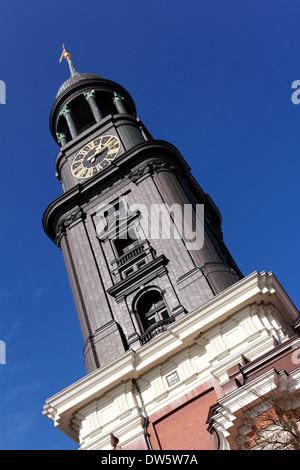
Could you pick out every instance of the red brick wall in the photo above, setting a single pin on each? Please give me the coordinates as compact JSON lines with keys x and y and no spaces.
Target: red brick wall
{"x":186,"y":428}
{"x":182,"y":424}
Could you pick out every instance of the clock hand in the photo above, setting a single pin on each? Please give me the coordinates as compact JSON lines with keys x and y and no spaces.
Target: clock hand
{"x":98,"y":152}
{"x":101,"y":150}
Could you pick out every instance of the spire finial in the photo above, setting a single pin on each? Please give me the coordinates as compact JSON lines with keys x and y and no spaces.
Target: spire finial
{"x":64,"y":54}
{"x":67,"y":56}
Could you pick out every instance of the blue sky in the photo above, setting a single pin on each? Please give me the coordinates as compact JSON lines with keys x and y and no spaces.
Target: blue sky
{"x":214,"y":78}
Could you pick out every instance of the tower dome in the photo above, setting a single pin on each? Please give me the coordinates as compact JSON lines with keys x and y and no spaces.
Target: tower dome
{"x":74,"y":80}
{"x":83,"y":100}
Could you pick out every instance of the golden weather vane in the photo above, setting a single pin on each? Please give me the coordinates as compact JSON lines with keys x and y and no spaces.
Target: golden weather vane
{"x":64,"y":54}
{"x":67,"y":56}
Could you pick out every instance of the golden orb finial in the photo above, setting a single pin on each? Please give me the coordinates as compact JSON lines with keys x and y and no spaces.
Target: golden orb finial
{"x":64,"y":54}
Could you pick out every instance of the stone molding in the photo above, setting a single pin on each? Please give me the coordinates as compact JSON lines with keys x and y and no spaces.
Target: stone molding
{"x":67,"y":222}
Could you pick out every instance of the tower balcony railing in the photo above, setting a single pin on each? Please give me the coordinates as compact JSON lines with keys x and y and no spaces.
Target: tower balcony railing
{"x":135,"y":251}
{"x":138,"y":255}
{"x":155,"y":329}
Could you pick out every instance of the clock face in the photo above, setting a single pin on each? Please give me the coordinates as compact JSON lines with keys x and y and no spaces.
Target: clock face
{"x":95,"y":156}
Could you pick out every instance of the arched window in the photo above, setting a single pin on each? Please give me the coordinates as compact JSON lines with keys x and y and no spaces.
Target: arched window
{"x":152,"y":314}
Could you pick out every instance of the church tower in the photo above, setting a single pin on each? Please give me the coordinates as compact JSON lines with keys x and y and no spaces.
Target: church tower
{"x":146,"y":260}
{"x":127,"y":286}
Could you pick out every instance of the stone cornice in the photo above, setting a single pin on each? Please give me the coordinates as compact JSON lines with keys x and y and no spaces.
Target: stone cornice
{"x":149,"y":152}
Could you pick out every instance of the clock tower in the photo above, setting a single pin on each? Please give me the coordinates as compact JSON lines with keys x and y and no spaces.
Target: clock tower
{"x":164,"y":310}
{"x":128,"y":286}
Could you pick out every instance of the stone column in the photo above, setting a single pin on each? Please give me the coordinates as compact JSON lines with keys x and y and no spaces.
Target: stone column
{"x":67,"y":113}
{"x":117,"y":101}
{"x":61,"y":138}
{"x":90,"y":97}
